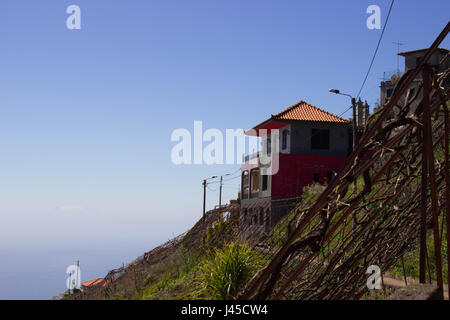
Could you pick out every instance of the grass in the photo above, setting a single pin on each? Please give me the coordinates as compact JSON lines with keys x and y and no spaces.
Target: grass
{"x":177,"y":277}
{"x":228,"y":270}
{"x":411,"y":259}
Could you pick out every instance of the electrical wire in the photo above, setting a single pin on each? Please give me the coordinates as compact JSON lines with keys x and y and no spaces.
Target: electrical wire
{"x":345,"y":111}
{"x":376,"y":50}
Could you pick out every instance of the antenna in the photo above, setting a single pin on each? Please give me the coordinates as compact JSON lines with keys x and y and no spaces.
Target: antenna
{"x":398,"y":51}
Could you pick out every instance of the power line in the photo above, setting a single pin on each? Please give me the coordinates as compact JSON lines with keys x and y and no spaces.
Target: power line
{"x":340,"y":115}
{"x":376,"y":50}
{"x":236,"y":177}
{"x":237,"y":170}
{"x":360,"y":90}
{"x":210,"y":189}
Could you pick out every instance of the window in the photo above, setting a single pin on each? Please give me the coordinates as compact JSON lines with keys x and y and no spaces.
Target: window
{"x":243,"y":216}
{"x":265,"y":180}
{"x":316,"y":177}
{"x":418,"y":60}
{"x":320,"y":139}
{"x":330,"y":175}
{"x":254,"y":180}
{"x":269,"y":145}
{"x":284,"y":139}
{"x":389,"y":92}
{"x":245,"y":185}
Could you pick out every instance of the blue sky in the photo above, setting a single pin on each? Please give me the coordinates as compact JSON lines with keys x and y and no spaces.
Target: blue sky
{"x":86,"y":115}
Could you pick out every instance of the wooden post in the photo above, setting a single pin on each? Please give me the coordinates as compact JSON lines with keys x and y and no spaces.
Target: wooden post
{"x":430,"y":161}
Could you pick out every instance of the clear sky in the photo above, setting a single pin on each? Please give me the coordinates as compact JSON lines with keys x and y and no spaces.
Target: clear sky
{"x":86,"y":115}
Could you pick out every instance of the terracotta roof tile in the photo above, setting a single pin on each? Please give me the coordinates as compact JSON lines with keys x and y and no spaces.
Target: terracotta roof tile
{"x":304,"y":111}
{"x":91,"y":283}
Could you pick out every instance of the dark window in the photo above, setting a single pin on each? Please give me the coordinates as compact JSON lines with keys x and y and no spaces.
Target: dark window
{"x":284,"y":139}
{"x":418,"y":60}
{"x":329,"y":176}
{"x":254,"y":182}
{"x":265,"y":180}
{"x":269,"y":145}
{"x":389,"y":92}
{"x":316,"y":177}
{"x":245,"y":185}
{"x":244,"y":215}
{"x":320,"y":139}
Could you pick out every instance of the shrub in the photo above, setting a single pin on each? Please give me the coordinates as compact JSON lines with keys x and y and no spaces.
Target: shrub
{"x":222,"y":232}
{"x":228,"y":270}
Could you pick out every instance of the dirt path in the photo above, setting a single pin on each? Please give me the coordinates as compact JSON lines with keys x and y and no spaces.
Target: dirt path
{"x":396,"y":283}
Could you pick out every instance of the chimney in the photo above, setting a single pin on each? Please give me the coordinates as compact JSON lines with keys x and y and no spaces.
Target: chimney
{"x":362,"y":114}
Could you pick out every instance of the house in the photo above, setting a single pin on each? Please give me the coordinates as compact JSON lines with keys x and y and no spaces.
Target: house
{"x":412,"y":60}
{"x":91,"y":283}
{"x":313,"y":146}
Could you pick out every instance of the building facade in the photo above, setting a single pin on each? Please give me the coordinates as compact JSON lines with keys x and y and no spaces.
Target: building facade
{"x":412,"y":60}
{"x":313,"y":145}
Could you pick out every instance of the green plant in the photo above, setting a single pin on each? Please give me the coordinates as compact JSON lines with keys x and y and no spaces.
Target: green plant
{"x":189,"y":260}
{"x":165,"y":282}
{"x":228,"y":270}
{"x":221,"y":232}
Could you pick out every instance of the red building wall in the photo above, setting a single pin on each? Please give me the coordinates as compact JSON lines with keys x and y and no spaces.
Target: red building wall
{"x":297,"y":171}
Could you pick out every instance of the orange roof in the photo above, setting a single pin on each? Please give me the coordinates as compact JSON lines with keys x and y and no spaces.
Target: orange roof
{"x":303,"y":111}
{"x":91,"y":283}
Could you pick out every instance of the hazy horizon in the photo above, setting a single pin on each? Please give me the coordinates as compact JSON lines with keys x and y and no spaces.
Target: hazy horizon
{"x":86,"y":116}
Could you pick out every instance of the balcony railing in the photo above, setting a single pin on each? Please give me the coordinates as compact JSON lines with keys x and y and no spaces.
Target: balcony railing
{"x":251,"y":156}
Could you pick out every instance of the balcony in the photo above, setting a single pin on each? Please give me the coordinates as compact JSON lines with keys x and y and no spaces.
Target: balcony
{"x":247,"y":158}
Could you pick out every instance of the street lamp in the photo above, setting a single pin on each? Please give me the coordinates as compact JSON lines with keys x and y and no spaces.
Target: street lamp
{"x":353,"y":100}
{"x":336,"y":91}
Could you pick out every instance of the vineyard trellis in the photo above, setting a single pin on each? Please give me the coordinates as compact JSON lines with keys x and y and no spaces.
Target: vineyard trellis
{"x":401,"y":166}
{"x":322,"y":250}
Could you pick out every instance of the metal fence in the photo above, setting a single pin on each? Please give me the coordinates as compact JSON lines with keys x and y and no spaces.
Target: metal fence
{"x":401,"y":170}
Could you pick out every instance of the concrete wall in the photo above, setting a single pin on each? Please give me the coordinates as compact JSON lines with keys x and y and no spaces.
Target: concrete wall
{"x":259,"y":215}
{"x":301,"y":138}
{"x":411,"y":60}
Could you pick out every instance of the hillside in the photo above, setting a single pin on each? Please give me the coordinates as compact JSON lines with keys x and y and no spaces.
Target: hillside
{"x":175,"y":270}
{"x":393,"y":186}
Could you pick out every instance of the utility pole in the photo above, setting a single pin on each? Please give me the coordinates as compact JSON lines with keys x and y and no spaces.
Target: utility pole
{"x":204,"y":203}
{"x":204,"y":195}
{"x":335,"y":91}
{"x":354,"y":134}
{"x":220,"y":190}
{"x":204,"y":199}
